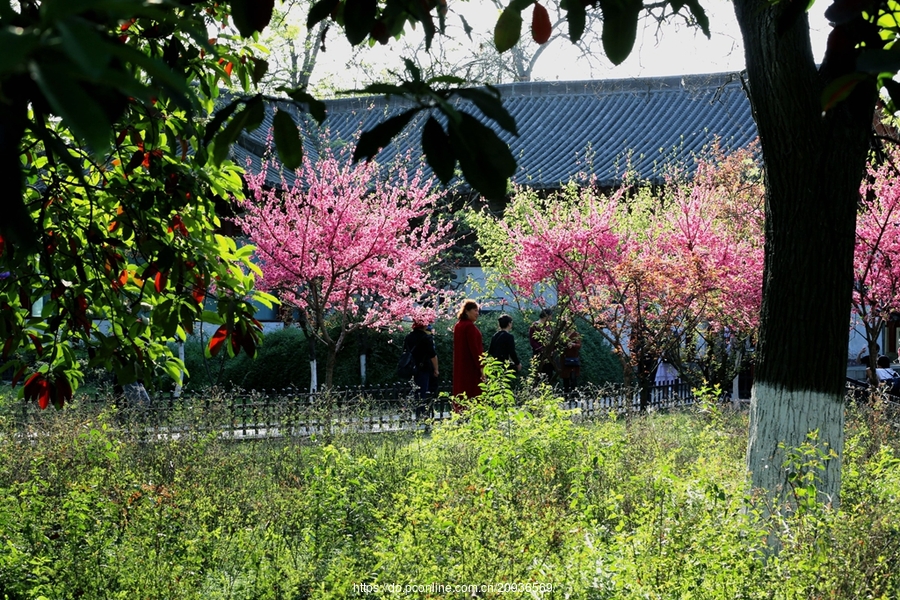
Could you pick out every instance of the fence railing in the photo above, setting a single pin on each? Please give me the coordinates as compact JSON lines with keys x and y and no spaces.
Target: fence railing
{"x":293,"y":412}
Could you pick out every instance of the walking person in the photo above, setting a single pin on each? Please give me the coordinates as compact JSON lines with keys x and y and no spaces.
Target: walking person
{"x":503,"y":344}
{"x":435,"y":380}
{"x":468,"y":346}
{"x":539,"y":335}
{"x":421,"y":345}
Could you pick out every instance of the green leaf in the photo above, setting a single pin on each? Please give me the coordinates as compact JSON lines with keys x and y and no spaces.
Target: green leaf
{"x":492,"y":107}
{"x":248,"y":119}
{"x":260,"y":68}
{"x":381,"y":89}
{"x":173,"y":369}
{"x":15,"y":46}
{"x":484,"y":158}
{"x":840,"y":88}
{"x":508,"y":29}
{"x":438,"y":151}
{"x":373,"y":140}
{"x":250,"y":16}
{"x":449,"y":79}
{"x":315,"y":107}
{"x":209,"y":316}
{"x":84,"y":46}
{"x":619,"y":28}
{"x":220,"y":117}
{"x":576,"y":17}
{"x":467,"y":29}
{"x":68,"y":100}
{"x":359,"y":17}
{"x":158,"y":71}
{"x":413,"y":70}
{"x":288,"y":142}
{"x":700,"y":15}
{"x":320,"y":11}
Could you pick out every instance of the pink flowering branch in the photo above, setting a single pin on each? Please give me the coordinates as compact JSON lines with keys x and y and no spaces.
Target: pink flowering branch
{"x":347,"y":247}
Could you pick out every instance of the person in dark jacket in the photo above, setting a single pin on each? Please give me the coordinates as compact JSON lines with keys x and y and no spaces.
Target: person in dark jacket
{"x":503,"y":345}
{"x":422,"y":347}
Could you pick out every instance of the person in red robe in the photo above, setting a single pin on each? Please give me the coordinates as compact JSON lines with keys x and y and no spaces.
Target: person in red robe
{"x":467,"y":350}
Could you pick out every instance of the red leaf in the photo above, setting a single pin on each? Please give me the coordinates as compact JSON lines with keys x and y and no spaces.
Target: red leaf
{"x":228,"y":68}
{"x":43,"y":397}
{"x":63,"y":391}
{"x":248,"y":344}
{"x":160,"y":282}
{"x":7,"y":347}
{"x":218,"y":340}
{"x":179,"y":226}
{"x":38,"y":347}
{"x":19,"y":374}
{"x":38,"y":388}
{"x":540,"y":24}
{"x":81,"y":317}
{"x":199,"y":294}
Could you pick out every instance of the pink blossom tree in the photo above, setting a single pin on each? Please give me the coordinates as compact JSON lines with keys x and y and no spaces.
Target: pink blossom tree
{"x":347,"y":247}
{"x":876,"y":262}
{"x":646,"y":272}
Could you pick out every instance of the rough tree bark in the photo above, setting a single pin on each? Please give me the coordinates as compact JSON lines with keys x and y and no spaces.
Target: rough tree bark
{"x":814,"y":165}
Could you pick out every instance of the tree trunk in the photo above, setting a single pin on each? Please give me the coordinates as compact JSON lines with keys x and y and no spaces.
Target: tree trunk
{"x":813,"y":166}
{"x":310,"y":353}
{"x":330,"y":360}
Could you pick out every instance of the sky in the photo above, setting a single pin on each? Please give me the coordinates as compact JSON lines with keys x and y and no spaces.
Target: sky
{"x":671,"y":50}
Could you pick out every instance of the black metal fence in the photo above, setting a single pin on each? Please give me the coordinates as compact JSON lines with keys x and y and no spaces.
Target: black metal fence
{"x":293,"y":412}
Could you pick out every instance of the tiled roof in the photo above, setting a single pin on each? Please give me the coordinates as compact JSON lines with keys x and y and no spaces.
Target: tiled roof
{"x":568,"y":129}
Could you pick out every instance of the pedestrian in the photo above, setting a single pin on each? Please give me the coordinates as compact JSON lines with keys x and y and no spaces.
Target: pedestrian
{"x":435,"y":380}
{"x":570,"y":363}
{"x":421,"y":345}
{"x":539,"y":335}
{"x":468,"y":347}
{"x":503,"y":344}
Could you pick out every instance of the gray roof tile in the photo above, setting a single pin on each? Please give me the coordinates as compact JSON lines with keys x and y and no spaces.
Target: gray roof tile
{"x":567,"y":129}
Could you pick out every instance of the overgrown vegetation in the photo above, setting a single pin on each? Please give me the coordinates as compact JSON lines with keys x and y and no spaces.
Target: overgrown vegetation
{"x":647,"y":507}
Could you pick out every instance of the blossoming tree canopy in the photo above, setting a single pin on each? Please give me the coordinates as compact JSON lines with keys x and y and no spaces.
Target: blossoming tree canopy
{"x":876,"y":293}
{"x":347,"y":246}
{"x":645,"y":268}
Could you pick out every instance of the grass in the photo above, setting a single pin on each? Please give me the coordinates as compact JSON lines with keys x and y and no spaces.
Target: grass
{"x":524,"y":499}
